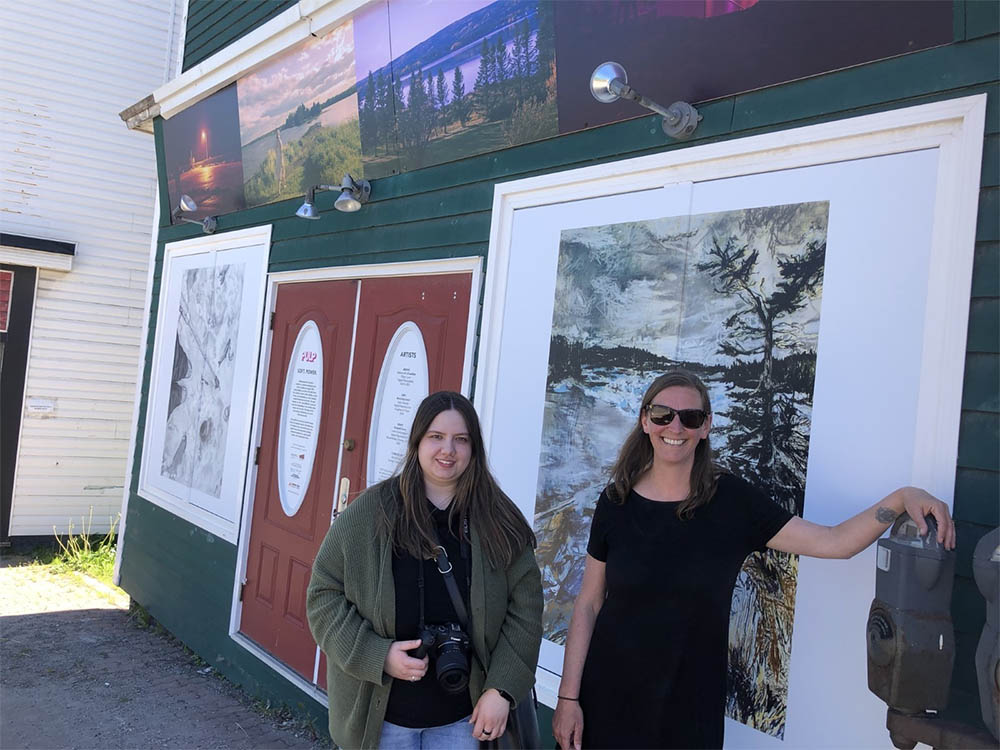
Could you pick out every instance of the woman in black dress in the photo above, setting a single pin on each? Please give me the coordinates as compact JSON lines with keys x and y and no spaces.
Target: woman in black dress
{"x":646,"y":654}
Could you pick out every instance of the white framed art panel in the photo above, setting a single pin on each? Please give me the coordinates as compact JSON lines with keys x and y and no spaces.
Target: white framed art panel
{"x":902,"y":188}
{"x":202,"y":378}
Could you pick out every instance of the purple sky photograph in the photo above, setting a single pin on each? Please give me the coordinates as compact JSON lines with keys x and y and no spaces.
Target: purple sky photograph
{"x":314,"y":70}
{"x":411,"y":21}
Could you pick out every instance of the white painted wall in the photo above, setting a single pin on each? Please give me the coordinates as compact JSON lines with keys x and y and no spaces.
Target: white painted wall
{"x":70,"y":170}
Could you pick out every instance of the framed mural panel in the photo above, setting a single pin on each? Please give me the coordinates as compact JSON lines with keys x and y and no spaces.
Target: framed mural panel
{"x":832,"y":261}
{"x":441,"y":81}
{"x":201,"y":390}
{"x":202,"y":158}
{"x":299,"y":119}
{"x":757,"y":43}
{"x":388,"y":86}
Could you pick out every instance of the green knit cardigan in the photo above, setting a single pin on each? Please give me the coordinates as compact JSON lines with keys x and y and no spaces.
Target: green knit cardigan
{"x":351,"y":604}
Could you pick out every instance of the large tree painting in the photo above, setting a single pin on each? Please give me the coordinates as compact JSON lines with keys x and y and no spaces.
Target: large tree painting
{"x":734,"y":297}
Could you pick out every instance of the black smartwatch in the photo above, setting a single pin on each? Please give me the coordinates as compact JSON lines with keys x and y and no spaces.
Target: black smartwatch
{"x":506,"y":696}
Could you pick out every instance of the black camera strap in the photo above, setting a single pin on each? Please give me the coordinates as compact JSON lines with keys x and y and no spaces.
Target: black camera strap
{"x":444,"y":567}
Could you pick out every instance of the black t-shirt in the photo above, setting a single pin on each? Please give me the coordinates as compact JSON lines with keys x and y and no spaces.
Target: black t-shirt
{"x":424,"y":703}
{"x":655,"y":674}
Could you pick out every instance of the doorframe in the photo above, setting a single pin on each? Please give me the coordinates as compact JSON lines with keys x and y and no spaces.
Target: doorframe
{"x":469,"y":264}
{"x":7,"y":508}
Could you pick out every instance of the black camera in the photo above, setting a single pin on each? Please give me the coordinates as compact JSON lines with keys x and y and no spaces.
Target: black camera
{"x":448,"y":647}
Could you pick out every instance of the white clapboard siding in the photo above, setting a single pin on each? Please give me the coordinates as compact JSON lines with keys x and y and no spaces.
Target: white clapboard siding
{"x":70,"y":170}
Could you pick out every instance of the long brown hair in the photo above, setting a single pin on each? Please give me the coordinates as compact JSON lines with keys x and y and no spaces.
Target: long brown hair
{"x":478,"y":500}
{"x":636,"y":455}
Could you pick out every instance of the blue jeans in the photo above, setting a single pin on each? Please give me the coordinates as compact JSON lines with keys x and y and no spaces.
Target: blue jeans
{"x":456,"y":736}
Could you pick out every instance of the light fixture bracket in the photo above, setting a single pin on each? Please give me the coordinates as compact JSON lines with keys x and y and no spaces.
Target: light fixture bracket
{"x":352,"y":194}
{"x":186,"y":205}
{"x":609,"y":83}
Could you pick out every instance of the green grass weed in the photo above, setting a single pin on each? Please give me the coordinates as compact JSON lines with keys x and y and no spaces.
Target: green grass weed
{"x":92,"y":554}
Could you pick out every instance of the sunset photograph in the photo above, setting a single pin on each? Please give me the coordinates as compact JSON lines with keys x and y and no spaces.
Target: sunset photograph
{"x":202,"y":148}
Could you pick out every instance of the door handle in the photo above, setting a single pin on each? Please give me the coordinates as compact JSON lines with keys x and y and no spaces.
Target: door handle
{"x":342,"y":495}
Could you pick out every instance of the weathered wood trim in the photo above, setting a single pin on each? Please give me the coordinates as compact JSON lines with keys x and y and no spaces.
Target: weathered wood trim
{"x":309,"y":17}
{"x":18,"y":256}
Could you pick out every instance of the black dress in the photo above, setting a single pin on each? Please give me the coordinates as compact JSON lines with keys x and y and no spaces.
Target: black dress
{"x":655,"y":674}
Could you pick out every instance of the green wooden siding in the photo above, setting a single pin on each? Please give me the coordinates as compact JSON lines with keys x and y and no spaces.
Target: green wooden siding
{"x":184,"y":575}
{"x":192,"y":602}
{"x":212,"y":24}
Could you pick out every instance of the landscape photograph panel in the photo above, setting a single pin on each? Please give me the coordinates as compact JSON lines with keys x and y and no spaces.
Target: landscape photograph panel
{"x":202,"y":153}
{"x":753,"y":43}
{"x":463,"y":79}
{"x":299,"y":119}
{"x":734,"y":297}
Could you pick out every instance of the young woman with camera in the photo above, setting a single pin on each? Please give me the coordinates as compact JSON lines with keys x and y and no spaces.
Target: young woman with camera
{"x":645,"y":664}
{"x":426,"y":598}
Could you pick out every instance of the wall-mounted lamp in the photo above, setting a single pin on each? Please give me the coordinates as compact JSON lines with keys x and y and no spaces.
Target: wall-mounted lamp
{"x":186,"y":206}
{"x":352,"y":195}
{"x":609,"y":83}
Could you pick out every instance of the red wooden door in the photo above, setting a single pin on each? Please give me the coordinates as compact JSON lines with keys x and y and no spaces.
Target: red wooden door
{"x":283,"y":544}
{"x":439,"y":305}
{"x":284,"y":538}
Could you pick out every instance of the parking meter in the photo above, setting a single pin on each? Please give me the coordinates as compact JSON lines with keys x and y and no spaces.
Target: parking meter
{"x":986,"y":570}
{"x":911,"y":642}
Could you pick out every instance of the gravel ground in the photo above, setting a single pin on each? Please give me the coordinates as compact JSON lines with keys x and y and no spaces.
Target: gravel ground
{"x":76,"y":672}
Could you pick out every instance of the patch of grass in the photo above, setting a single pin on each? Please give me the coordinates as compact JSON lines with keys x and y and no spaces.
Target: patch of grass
{"x":43,"y":554}
{"x":138,"y":615}
{"x":286,"y":718}
{"x":93,"y":555}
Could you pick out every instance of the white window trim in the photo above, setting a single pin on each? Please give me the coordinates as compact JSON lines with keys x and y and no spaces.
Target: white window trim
{"x":305,"y":19}
{"x":471,"y":264}
{"x":222,"y":527}
{"x":20,"y":256}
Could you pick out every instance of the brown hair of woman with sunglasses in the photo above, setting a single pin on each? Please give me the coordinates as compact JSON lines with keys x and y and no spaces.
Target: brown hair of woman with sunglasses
{"x":645,"y":664}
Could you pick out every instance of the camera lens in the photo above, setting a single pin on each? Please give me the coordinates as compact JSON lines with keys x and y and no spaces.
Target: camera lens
{"x":452,"y":669}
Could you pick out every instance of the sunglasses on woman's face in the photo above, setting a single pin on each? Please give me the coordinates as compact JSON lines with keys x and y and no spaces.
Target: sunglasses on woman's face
{"x":664,"y":415}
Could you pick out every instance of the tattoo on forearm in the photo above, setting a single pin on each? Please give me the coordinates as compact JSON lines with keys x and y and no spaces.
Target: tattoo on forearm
{"x":885,"y":515}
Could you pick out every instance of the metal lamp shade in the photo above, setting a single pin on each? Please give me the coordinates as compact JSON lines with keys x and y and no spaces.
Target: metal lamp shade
{"x":307,"y":211}
{"x":347,"y":202}
{"x":601,"y":78}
